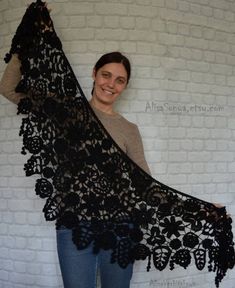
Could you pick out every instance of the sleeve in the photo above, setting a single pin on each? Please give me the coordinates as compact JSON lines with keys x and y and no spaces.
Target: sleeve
{"x":135,"y":149}
{"x":10,"y":79}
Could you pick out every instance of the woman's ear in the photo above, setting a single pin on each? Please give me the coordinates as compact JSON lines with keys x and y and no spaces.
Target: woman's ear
{"x":94,"y":74}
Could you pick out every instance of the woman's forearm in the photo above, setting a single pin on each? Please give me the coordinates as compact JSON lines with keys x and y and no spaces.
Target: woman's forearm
{"x":10,"y":79}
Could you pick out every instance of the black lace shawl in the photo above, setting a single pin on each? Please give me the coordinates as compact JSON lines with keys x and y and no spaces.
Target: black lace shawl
{"x":90,"y":185}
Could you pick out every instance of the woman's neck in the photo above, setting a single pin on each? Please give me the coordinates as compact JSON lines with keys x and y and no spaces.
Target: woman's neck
{"x":102,"y":107}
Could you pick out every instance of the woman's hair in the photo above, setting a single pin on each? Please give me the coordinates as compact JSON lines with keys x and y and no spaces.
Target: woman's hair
{"x":114,"y":57}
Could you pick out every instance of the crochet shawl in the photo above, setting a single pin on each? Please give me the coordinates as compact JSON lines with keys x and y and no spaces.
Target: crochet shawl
{"x":89,"y":184}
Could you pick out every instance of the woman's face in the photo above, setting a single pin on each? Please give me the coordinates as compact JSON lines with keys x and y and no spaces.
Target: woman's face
{"x":110,"y":80}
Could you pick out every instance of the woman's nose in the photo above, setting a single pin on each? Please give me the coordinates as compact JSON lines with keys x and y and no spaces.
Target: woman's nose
{"x":111,"y":82}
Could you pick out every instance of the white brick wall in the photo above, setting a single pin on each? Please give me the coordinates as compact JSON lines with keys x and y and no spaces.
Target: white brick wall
{"x":181,"y":96}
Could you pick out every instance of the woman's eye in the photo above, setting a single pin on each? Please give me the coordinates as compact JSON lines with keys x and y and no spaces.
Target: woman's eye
{"x":121,"y":81}
{"x":105,"y":75}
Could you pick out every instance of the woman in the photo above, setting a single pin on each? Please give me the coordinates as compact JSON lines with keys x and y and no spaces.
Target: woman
{"x":111,"y":75}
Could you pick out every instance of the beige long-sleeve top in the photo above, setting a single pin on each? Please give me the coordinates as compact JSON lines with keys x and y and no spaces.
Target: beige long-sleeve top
{"x":125,"y":133}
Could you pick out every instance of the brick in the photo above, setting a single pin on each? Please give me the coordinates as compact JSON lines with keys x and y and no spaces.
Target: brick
{"x":229,"y":16}
{"x":174,"y":145}
{"x":196,"y":43}
{"x":143,"y":2}
{"x":198,"y":66}
{"x":6,"y":170}
{"x":7,"y":217}
{"x":44,"y":231}
{"x":183,"y":6}
{"x":14,"y":14}
{"x":34,"y":218}
{"x":21,"y":182}
{"x":177,"y":156}
{"x":20,"y":267}
{"x":46,"y":257}
{"x":34,"y":268}
{"x":96,"y":46}
{"x":74,"y":21}
{"x":20,"y":218}
{"x":219,"y":46}
{"x":209,"y":56}
{"x":7,"y":265}
{"x":6,"y":123}
{"x":142,"y":35}
{"x":198,"y":88}
{"x":22,"y":231}
{"x":158,"y":49}
{"x":143,"y":72}
{"x":3,"y":181}
{"x":34,"y":244}
{"x":144,"y":84}
{"x":159,"y":3}
{"x":230,"y":60}
{"x":169,"y":39}
{"x":199,"y":178}
{"x":177,"y":179}
{"x":219,"y":4}
{"x":4,"y":5}
{"x":221,"y":167}
{"x":231,"y":80}
{"x":49,"y":269}
{"x":207,"y":11}
{"x":219,"y":24}
{"x":4,"y":275}
{"x":142,"y":23}
{"x":223,"y":156}
{"x":20,"y":205}
{"x":77,"y":8}
{"x":195,"y":9}
{"x":112,"y":46}
{"x":195,"y":19}
{"x":48,"y":244}
{"x":220,"y":133}
{"x":176,"y":168}
{"x":219,"y":14}
{"x":196,"y":31}
{"x":94,"y":21}
{"x":186,"y":144}
{"x":173,"y":121}
{"x":210,"y":145}
{"x":77,"y":34}
{"x":111,"y":21}
{"x":3,"y":204}
{"x":45,"y":281}
{"x":221,"y":122}
{"x":111,"y":34}
{"x":21,"y":278}
{"x":127,"y":22}
{"x":111,"y":9}
{"x":158,"y":25}
{"x":144,"y":11}
{"x":198,"y":168}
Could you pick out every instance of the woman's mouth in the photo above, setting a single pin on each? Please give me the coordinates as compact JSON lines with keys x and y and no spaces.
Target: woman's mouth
{"x":108,"y":92}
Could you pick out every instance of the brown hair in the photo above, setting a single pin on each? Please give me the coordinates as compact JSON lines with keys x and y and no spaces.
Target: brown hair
{"x":114,"y":57}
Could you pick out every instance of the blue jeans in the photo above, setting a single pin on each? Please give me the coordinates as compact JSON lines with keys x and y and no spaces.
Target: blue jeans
{"x":79,"y":267}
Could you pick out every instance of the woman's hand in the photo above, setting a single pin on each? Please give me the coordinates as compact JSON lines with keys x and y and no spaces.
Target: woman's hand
{"x":44,"y":25}
{"x":218,"y":205}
